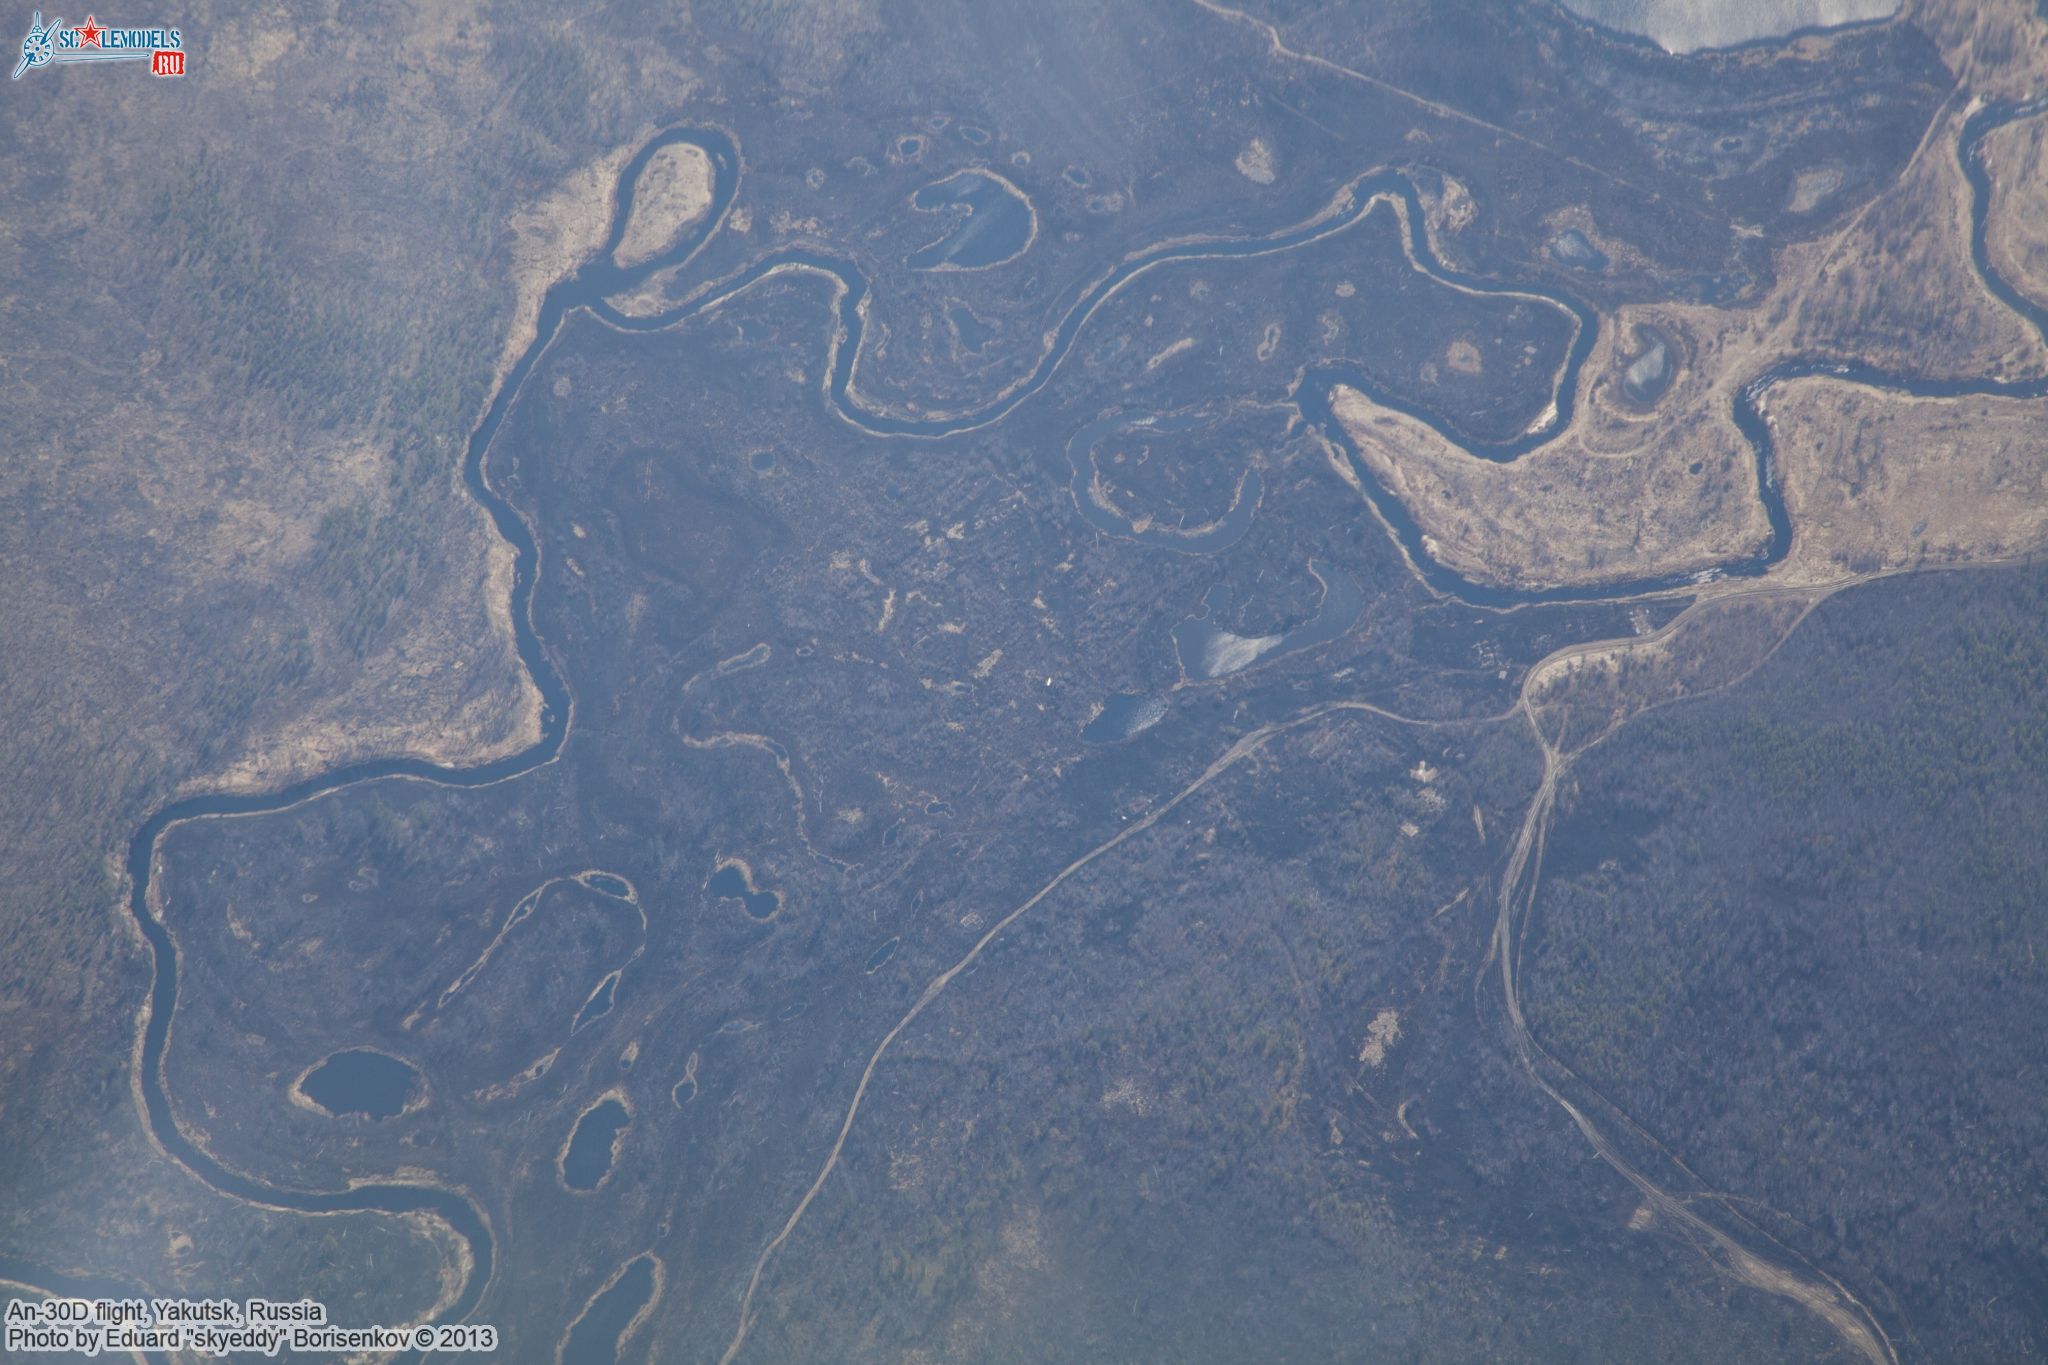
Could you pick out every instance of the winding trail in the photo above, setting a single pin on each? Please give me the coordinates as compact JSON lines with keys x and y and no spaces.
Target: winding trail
{"x":589,"y":288}
{"x":1776,"y":1269}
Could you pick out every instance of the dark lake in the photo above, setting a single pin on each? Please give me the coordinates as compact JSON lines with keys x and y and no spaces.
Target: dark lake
{"x":998,"y":224}
{"x":972,"y":333}
{"x":599,"y":1004}
{"x":592,"y":1145}
{"x":1209,"y":651}
{"x":1648,"y":372}
{"x":595,"y":1337}
{"x":362,"y":1082}
{"x":1571,"y":247}
{"x":1124,"y":715}
{"x":730,"y":882}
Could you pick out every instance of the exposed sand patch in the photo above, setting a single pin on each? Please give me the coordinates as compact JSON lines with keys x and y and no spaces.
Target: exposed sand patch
{"x":1811,"y":188}
{"x":1382,"y":1033}
{"x":1255,"y":162}
{"x":552,"y":239}
{"x":1169,"y":352}
{"x":1447,"y":209}
{"x":1126,"y":1093}
{"x":673,"y":192}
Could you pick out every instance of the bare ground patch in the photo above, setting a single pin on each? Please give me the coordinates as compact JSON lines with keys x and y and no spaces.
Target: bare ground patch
{"x":1877,"y":480}
{"x":674,"y":191}
{"x":1630,"y":493}
{"x":1569,"y":513}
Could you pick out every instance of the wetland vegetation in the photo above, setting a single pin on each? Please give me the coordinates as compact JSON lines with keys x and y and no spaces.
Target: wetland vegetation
{"x":1053,"y":809}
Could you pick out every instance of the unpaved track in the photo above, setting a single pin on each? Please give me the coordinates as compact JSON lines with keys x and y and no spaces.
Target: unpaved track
{"x":1244,"y":748}
{"x":1775,"y":1269}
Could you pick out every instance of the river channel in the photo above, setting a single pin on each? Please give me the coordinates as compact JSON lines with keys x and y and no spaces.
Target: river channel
{"x":601,"y":277}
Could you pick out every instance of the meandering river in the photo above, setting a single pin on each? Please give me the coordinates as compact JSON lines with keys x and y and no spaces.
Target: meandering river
{"x":600,"y":277}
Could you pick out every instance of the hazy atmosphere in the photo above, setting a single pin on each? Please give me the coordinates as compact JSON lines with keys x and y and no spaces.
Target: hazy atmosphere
{"x":913,"y":681}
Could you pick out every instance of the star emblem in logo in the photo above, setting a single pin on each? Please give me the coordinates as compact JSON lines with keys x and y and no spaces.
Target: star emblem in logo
{"x":89,"y":33}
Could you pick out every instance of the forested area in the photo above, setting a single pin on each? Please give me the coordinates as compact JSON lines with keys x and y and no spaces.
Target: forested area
{"x":1797,"y":931}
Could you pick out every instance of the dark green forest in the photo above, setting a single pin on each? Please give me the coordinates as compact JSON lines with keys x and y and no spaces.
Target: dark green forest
{"x":1799,"y":931}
